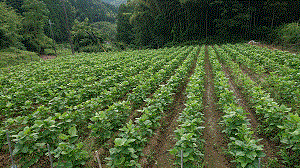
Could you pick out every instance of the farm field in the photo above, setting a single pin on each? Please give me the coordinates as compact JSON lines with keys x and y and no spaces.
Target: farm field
{"x":209,"y":106}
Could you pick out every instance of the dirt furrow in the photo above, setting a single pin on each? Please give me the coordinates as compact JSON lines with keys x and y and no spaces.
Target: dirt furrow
{"x":156,"y":153}
{"x":215,"y":142}
{"x":270,"y":149}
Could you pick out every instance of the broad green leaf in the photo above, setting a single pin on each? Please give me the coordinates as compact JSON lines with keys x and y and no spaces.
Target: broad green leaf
{"x":73,"y":131}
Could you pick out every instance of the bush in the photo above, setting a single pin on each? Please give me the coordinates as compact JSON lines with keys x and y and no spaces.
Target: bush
{"x":289,"y":33}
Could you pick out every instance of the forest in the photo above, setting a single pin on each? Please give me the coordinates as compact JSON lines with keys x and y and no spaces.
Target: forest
{"x":35,"y":25}
{"x":155,"y":23}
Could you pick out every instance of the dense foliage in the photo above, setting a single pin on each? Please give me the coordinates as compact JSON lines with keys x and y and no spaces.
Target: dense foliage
{"x":34,"y":24}
{"x":86,"y":38}
{"x":290,"y":34}
{"x":10,"y":24}
{"x":92,"y":83}
{"x":278,"y":122}
{"x":155,"y":23}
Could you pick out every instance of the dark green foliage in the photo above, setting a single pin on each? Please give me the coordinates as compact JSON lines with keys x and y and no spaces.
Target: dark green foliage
{"x":10,"y":24}
{"x":289,"y":33}
{"x":86,"y":38}
{"x":35,"y":18}
{"x":94,"y":10}
{"x":108,"y":29}
{"x":154,"y":23}
{"x":61,"y":24}
{"x":124,"y":28}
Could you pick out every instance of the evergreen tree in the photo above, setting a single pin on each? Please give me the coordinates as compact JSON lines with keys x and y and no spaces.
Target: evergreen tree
{"x":57,"y":16}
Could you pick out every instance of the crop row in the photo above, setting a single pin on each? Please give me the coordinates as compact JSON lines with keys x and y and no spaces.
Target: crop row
{"x":188,"y":134}
{"x":270,"y":65}
{"x":134,"y":136}
{"x":278,"y":56}
{"x":277,"y":122}
{"x":243,"y":146}
{"x":282,"y":83}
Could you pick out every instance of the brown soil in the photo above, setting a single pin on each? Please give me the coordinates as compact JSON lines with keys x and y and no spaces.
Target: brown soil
{"x":270,"y":149}
{"x":277,"y":47}
{"x":215,"y":141}
{"x":48,"y":57}
{"x":156,"y":152}
{"x":4,"y":159}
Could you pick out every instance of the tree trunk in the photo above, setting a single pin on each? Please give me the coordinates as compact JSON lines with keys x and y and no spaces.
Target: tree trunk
{"x":206,"y":22}
{"x":273,"y":17}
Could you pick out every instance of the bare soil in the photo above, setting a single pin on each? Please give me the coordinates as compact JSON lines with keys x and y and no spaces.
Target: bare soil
{"x":156,"y":152}
{"x":270,"y":148}
{"x":215,"y":140}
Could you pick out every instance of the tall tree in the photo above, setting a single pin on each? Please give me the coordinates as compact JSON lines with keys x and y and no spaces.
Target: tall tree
{"x":57,"y":16}
{"x":124,"y":28}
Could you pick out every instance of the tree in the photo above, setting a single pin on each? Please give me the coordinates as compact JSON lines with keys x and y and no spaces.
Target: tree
{"x":57,"y":16}
{"x":86,"y":38}
{"x":35,"y":18}
{"x":10,"y":24}
{"x":107,"y":29}
{"x":124,"y":28}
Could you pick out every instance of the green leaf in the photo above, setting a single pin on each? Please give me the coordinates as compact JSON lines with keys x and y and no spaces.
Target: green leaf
{"x":63,"y":136}
{"x":252,"y":155}
{"x":73,"y":131}
{"x":25,"y":149}
{"x":120,"y":141}
{"x":240,"y":153}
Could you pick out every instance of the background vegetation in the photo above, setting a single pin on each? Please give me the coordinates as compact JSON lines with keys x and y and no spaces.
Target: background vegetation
{"x":111,"y":24}
{"x":157,"y":23}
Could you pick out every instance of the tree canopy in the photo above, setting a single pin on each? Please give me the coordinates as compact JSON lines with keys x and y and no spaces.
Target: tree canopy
{"x":154,"y":23}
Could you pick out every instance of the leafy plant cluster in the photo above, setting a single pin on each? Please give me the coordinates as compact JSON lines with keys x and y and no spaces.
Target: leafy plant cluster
{"x":284,"y":78}
{"x":60,"y":118}
{"x":278,"y":123}
{"x":33,"y":132}
{"x":188,"y":134}
{"x":133,"y":137}
{"x":243,"y":146}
